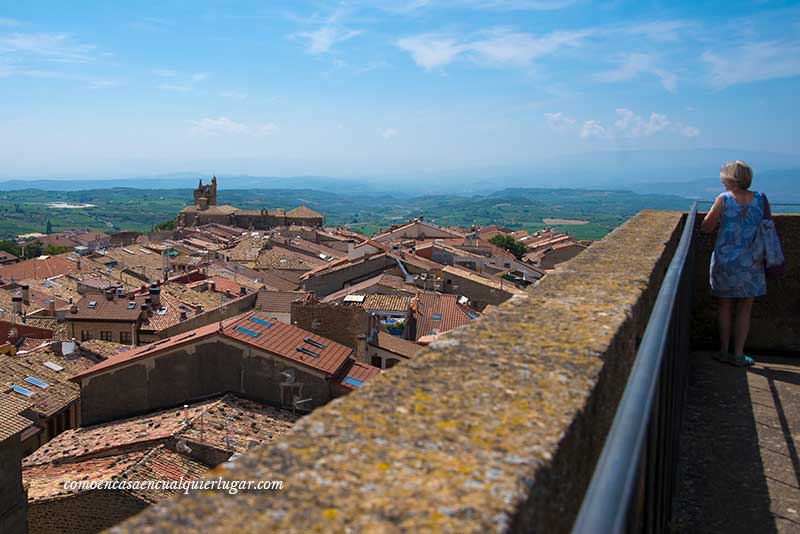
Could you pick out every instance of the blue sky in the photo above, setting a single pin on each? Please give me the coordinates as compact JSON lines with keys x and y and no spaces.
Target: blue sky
{"x":355,"y":88}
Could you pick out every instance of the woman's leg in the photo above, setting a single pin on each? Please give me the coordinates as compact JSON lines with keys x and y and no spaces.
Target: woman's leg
{"x":743,"y":309}
{"x":725,"y":309}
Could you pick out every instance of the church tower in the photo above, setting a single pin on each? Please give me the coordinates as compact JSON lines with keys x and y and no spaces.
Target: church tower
{"x":206,"y":195}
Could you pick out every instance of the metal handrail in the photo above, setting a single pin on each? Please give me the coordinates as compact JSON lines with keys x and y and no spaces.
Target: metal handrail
{"x":607,"y":502}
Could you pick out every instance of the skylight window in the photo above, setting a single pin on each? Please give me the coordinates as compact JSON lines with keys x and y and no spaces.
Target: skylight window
{"x":53,"y":366}
{"x":353,"y":382}
{"x":314,"y":343}
{"x":92,"y":304}
{"x":308,"y":352}
{"x":36,"y":382}
{"x":472,"y":315}
{"x":131,"y":305}
{"x":161,"y":311}
{"x":262,"y":322}
{"x":246,"y":331}
{"x":436,"y":316}
{"x":21,"y":390}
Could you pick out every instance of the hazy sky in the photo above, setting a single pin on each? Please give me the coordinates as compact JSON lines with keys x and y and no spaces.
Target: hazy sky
{"x":353,"y":88}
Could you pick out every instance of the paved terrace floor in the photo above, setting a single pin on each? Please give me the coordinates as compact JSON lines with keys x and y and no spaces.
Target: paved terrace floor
{"x":739,"y":468}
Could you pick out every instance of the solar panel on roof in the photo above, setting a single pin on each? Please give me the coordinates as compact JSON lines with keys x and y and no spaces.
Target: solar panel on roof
{"x":36,"y":382}
{"x":22,"y":391}
{"x":472,"y":315}
{"x":262,"y":322}
{"x":309,"y":352}
{"x":53,"y":366}
{"x":353,"y":382}
{"x":247,"y":331}
{"x":314,"y":343}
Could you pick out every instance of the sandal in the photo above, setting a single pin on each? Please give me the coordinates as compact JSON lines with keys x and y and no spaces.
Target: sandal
{"x":742,"y":361}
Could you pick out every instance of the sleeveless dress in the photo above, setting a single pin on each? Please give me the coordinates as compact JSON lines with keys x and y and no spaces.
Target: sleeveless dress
{"x":737,"y":266}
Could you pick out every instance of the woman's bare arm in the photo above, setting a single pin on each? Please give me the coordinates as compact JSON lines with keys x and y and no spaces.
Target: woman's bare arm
{"x":712,"y":218}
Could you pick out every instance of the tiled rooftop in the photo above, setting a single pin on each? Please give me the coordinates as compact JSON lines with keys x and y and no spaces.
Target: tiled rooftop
{"x":11,"y":422}
{"x":38,"y":268}
{"x":278,"y":301}
{"x":438,"y":313}
{"x":397,"y":345}
{"x":227,"y":423}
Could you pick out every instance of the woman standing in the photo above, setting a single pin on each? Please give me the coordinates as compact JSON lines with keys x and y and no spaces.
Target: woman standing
{"x":737,"y":266}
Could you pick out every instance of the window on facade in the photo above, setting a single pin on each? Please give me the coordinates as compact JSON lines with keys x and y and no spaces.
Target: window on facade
{"x":86,"y":335}
{"x":391,"y":362}
{"x":125,"y":338}
{"x":105,"y":335}
{"x":376,"y":361}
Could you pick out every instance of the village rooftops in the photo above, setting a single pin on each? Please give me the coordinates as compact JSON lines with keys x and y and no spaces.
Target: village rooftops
{"x":226,"y":423}
{"x":384,"y":284}
{"x":47,"y":481}
{"x":396,"y":345}
{"x":436,"y":313}
{"x":38,"y":268}
{"x":11,"y":420}
{"x":254,"y":329}
{"x":278,"y":301}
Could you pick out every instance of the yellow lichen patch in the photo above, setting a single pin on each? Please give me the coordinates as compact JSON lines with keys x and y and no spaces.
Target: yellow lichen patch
{"x":330,"y":513}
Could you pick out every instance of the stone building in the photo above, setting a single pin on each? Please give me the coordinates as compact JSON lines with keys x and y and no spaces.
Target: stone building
{"x":206,"y":211}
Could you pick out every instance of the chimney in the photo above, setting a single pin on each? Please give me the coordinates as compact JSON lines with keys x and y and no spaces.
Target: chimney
{"x":155,"y":295}
{"x":16,"y":304}
{"x":212,"y":285}
{"x":184,"y":316}
{"x":351,"y":246}
{"x":51,"y":306}
{"x":26,"y":294}
{"x":109,"y":294}
{"x":73,"y":308}
{"x":242,"y":291}
{"x":143,"y":312}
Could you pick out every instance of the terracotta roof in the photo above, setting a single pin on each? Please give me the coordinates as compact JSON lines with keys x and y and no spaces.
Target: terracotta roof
{"x":244,"y":423}
{"x":437,"y":312}
{"x":32,"y":343}
{"x":278,"y":301}
{"x":303,"y":212}
{"x":285,"y":340}
{"x":278,"y":257}
{"x":7,"y":256}
{"x":100,"y":308}
{"x":22,"y":330}
{"x":494,"y":283}
{"x":38,"y":268}
{"x":46,"y":481}
{"x":162,"y":463}
{"x":58,"y":393}
{"x":11,"y":422}
{"x":103,"y":350}
{"x":386,"y":284}
{"x":358,"y":374}
{"x":250,"y":328}
{"x":395,"y":303}
{"x":397,"y":345}
{"x":59,"y":328}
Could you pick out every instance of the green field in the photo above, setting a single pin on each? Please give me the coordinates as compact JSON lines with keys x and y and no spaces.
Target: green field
{"x":118,"y":209}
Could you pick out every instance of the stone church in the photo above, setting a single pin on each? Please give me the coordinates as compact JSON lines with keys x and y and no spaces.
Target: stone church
{"x":206,"y":211}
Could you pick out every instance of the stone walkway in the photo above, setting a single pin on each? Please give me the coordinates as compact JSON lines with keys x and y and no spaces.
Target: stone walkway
{"x":739,"y":470}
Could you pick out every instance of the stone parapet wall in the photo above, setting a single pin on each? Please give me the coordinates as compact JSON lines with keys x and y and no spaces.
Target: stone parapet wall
{"x":776,"y":317}
{"x":495,"y":428}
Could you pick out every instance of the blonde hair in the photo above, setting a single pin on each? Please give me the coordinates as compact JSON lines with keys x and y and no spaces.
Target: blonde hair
{"x":737,"y":172}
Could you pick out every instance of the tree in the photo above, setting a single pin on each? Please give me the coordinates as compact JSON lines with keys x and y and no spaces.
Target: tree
{"x":11,"y":248}
{"x":51,"y":250}
{"x":506,"y":242}
{"x":166,"y":225}
{"x":49,"y":229}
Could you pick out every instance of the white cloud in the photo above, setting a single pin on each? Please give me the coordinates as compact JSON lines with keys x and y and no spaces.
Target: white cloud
{"x":627,"y":124}
{"x":224,"y":126}
{"x":634,"y":64}
{"x":388,"y":133}
{"x":592,"y":128}
{"x":331,"y":31}
{"x":8,"y":23}
{"x":753,"y":62}
{"x":558,"y":121}
{"x":52,"y":47}
{"x":497,"y":46}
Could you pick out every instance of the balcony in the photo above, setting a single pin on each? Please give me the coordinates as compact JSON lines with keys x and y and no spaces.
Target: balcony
{"x":585,"y":405}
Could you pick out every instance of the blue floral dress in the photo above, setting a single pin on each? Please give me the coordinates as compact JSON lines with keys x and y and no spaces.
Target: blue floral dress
{"x":737,"y":266}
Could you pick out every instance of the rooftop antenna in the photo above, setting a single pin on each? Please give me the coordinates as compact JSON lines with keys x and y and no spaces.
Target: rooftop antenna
{"x":182,"y":447}
{"x":296,"y":402}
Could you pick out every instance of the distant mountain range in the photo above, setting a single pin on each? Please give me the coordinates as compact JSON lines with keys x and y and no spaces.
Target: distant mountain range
{"x":690,"y":173}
